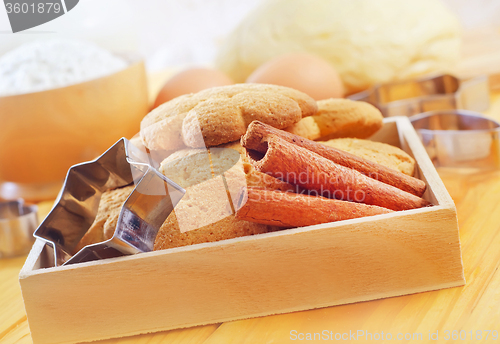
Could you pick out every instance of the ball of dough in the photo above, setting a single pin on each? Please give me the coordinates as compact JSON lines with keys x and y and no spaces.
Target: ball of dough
{"x":366,"y":41}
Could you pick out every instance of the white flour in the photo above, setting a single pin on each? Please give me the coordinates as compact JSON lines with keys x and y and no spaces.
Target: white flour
{"x":43,"y":65}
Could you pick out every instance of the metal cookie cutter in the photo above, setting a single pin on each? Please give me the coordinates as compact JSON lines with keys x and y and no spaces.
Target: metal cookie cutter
{"x":17,"y":224}
{"x":444,"y":92}
{"x":142,"y":214}
{"x":459,"y":138}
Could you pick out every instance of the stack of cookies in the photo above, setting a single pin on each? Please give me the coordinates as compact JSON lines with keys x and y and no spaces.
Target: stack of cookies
{"x":234,"y":190}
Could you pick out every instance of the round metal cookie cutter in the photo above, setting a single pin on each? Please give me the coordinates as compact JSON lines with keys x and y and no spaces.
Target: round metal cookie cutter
{"x":459,"y":138}
{"x":17,"y":224}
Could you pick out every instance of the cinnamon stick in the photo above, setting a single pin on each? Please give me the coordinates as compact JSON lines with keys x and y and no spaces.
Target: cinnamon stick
{"x":256,"y":131}
{"x":287,"y":209}
{"x":300,"y":166}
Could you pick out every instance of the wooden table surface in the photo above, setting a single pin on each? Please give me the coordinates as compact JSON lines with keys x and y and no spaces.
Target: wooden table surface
{"x":473,"y":307}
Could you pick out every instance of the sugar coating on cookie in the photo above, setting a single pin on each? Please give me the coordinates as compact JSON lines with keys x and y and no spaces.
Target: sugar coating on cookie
{"x":306,"y":127}
{"x":338,"y":118}
{"x":381,"y":153}
{"x":221,"y":114}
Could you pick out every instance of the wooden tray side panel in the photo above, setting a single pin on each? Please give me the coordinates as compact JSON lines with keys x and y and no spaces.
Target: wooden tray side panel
{"x":410,"y":142}
{"x":399,"y":132}
{"x":254,"y":276}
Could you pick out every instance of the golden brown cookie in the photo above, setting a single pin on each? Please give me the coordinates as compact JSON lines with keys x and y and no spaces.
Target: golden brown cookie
{"x":378,"y":152}
{"x":221,"y":114}
{"x":347,"y":118}
{"x":106,"y":219}
{"x":306,"y":127}
{"x":203,"y":204}
{"x":187,"y":167}
{"x":229,"y":227}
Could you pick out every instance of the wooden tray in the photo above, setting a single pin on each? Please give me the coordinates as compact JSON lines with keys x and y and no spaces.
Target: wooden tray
{"x":297,"y":269}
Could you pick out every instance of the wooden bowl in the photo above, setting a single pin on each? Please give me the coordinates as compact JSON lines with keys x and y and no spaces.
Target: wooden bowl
{"x":44,"y":133}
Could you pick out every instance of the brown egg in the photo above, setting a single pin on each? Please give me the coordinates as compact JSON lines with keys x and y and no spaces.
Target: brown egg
{"x":191,"y":81}
{"x":304,"y":72}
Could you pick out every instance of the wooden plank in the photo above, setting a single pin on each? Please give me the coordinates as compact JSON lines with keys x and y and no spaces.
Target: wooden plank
{"x":486,"y":313}
{"x":190,"y":335}
{"x":11,"y":303}
{"x":12,"y":314}
{"x":18,"y":335}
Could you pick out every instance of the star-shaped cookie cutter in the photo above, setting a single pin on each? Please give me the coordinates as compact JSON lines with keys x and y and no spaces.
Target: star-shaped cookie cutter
{"x":141,"y":216}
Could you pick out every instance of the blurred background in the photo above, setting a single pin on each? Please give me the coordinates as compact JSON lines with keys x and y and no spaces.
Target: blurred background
{"x":165,"y":33}
{"x":180,"y":32}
